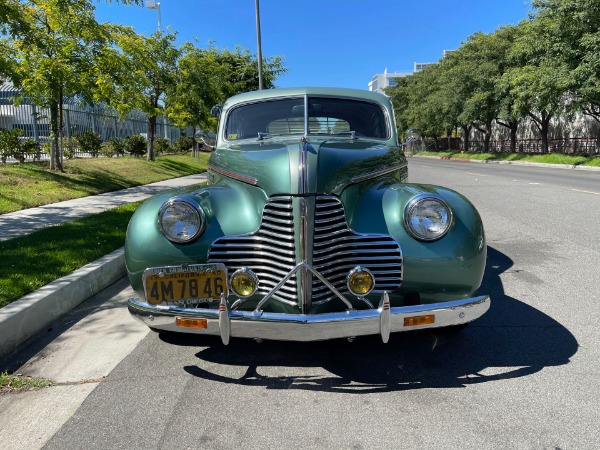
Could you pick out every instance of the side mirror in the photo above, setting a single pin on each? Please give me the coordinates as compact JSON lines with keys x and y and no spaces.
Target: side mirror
{"x":207,"y":139}
{"x":215,"y":111}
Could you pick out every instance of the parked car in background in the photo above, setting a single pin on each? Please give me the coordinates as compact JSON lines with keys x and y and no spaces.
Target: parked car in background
{"x":307,"y":230}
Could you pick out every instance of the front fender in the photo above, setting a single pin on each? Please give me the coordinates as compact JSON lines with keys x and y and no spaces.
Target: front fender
{"x":449,"y":268}
{"x":228,"y":209}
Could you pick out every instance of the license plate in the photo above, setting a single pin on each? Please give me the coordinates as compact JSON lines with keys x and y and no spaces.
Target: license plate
{"x":190,"y":284}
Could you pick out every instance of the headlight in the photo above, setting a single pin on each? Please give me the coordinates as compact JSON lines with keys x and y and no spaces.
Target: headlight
{"x":428,"y":217}
{"x":181,"y":220}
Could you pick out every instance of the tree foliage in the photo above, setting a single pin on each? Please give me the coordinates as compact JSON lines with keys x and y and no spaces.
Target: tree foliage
{"x":51,"y":52}
{"x":54,"y":49}
{"x":141,"y":75}
{"x":545,"y":66}
{"x":207,"y":77}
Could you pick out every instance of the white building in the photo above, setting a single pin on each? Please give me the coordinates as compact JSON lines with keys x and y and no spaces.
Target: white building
{"x":382,"y":80}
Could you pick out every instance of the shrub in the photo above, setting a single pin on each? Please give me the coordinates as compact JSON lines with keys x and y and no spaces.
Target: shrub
{"x":113,"y":147}
{"x":162,"y":145}
{"x":136,"y":145}
{"x":184,"y":144}
{"x":69,"y":147}
{"x":10,"y":143}
{"x":89,"y":142}
{"x":29,"y":147}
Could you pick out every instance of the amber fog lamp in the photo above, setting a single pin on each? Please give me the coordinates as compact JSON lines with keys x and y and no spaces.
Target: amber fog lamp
{"x":191,"y":323}
{"x":360,"y":281}
{"x":243,"y":282}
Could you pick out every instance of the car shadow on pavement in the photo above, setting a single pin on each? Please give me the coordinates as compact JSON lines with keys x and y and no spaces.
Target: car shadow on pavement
{"x":511,"y":340}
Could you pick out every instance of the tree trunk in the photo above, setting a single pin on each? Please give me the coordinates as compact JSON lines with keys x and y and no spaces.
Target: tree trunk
{"x":544,"y":133}
{"x":151,"y":137}
{"x":466,"y":133}
{"x":514,"y":125}
{"x":543,"y":125}
{"x":61,"y":131}
{"x":55,"y":163}
{"x":488,"y":137}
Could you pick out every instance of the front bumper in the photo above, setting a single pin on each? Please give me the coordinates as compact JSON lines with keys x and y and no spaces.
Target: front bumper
{"x":310,"y":327}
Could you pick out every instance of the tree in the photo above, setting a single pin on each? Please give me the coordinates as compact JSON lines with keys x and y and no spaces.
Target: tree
{"x":506,"y":110}
{"x":54,"y":49}
{"x":418,"y":103}
{"x":141,"y":74}
{"x":573,"y":33}
{"x":480,"y":64}
{"x":209,"y":76}
{"x":539,"y":79}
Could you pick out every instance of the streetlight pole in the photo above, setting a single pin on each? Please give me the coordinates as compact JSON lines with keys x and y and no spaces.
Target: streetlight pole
{"x":152,"y":4}
{"x":258,"y":40}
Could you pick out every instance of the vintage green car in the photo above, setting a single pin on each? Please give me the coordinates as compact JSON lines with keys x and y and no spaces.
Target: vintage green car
{"x":307,"y":230}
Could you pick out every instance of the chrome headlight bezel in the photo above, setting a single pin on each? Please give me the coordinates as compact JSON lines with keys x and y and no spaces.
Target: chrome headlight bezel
{"x":190,"y":206}
{"x":412,"y":208}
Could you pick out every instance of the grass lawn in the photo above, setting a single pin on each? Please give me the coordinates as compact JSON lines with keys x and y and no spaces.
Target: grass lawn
{"x":32,"y":184}
{"x":551,"y":158}
{"x":31,"y":261}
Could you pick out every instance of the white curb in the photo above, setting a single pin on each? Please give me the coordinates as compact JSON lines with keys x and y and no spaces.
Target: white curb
{"x":29,"y":315}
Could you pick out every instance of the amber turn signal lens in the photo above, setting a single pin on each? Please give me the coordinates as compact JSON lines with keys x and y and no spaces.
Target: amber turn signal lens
{"x":244,"y":283}
{"x":191,"y":323}
{"x":360,"y":281}
{"x":419,"y":320}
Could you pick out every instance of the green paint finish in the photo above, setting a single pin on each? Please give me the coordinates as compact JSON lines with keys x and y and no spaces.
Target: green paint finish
{"x":230,"y":208}
{"x":449,"y":268}
{"x":354,"y":170}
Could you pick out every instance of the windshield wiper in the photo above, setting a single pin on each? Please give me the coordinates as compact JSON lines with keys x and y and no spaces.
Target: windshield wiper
{"x":344,"y":133}
{"x":262,"y":136}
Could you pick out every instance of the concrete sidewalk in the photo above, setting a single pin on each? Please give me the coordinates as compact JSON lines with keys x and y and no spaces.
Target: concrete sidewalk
{"x":31,"y":314}
{"x":26,"y":221}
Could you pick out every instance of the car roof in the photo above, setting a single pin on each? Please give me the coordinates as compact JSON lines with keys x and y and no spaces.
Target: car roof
{"x":299,"y":91}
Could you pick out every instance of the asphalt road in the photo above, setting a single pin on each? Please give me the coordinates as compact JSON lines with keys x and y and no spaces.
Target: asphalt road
{"x":523,"y":376}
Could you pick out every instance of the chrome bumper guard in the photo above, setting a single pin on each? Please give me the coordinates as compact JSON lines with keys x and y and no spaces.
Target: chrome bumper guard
{"x":309,"y":327}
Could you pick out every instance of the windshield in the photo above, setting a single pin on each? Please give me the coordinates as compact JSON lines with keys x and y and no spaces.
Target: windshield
{"x":326,"y":116}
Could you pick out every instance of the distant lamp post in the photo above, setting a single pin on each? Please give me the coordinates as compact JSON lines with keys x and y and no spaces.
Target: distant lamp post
{"x":259,"y":45}
{"x":152,"y":4}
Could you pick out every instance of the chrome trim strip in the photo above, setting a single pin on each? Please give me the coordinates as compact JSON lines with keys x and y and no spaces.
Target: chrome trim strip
{"x":305,"y":116}
{"x":233,"y":175}
{"x":305,"y":281}
{"x":376,"y":173}
{"x":312,"y":327}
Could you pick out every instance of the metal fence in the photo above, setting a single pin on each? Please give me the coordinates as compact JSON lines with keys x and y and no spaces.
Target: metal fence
{"x":568,"y":146}
{"x":77,"y":118}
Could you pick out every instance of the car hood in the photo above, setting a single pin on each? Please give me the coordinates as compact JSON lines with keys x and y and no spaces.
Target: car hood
{"x":300,"y":167}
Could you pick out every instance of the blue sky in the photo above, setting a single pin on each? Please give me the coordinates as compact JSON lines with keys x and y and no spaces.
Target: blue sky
{"x":340,"y":43}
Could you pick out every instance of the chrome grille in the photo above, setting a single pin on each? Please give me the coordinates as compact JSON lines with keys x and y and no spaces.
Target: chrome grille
{"x":269,"y":252}
{"x":337,"y":250}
